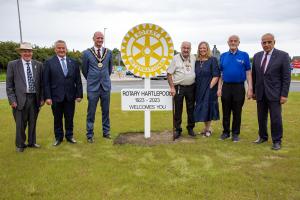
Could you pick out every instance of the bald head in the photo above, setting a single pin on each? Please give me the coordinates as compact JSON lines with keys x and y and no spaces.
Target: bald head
{"x":234,"y":37}
{"x":98,"y":39}
{"x":185,"y":43}
{"x":185,"y":49}
{"x":97,"y":33}
{"x":270,"y":35}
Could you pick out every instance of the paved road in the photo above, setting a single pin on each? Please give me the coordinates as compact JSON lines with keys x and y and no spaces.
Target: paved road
{"x":118,"y":85}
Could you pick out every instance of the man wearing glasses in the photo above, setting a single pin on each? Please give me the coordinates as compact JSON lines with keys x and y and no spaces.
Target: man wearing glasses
{"x":271,"y":82}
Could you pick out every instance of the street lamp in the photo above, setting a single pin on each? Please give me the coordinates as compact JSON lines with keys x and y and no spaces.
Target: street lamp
{"x":104,"y":37}
{"x":20,"y":27}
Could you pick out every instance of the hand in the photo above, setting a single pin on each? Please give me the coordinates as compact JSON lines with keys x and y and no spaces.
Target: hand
{"x":219,"y":92}
{"x":49,"y":102}
{"x":249,"y":93}
{"x":253,"y":96}
{"x":42,"y":103}
{"x":173,"y":91}
{"x":78,"y":99}
{"x":14,"y":105}
{"x":283,"y":100}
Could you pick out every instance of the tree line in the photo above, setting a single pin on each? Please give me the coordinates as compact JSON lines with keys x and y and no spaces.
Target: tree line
{"x":8,"y":53}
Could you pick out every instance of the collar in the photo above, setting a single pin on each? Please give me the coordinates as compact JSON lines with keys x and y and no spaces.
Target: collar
{"x":270,"y":53}
{"x":59,"y":58}
{"x":96,"y":48}
{"x":233,"y":52}
{"x":24,"y":62}
{"x":185,"y":59}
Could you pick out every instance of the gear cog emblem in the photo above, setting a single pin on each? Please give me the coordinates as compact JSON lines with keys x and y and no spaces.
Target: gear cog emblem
{"x":147,"y":50}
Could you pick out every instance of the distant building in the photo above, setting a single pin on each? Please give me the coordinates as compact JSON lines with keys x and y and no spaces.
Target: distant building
{"x":295,"y":64}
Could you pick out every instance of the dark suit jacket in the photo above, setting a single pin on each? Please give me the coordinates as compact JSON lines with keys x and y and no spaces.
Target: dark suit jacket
{"x":56,"y":85}
{"x":16,"y":82}
{"x":94,"y":75}
{"x":275,"y":82}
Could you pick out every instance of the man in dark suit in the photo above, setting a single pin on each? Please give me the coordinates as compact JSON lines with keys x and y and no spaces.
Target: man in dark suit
{"x":96,"y":68}
{"x":63,"y":86}
{"x":271,"y":81}
{"x":25,"y":95}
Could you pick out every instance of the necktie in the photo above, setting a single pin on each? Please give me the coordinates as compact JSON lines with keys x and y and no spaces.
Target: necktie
{"x":31,"y":87}
{"x":65,"y":69}
{"x":263,"y":65}
{"x":98,"y":53}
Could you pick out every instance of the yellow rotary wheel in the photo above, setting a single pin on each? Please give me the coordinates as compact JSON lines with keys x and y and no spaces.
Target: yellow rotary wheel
{"x":147,"y":50}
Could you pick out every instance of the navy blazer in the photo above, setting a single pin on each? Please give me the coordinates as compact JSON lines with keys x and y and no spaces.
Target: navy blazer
{"x":275,"y":82}
{"x":56,"y":85}
{"x":94,"y":75}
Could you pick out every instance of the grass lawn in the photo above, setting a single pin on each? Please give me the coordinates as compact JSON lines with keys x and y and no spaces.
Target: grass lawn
{"x":2,"y":77}
{"x":296,"y":78}
{"x":206,"y":169}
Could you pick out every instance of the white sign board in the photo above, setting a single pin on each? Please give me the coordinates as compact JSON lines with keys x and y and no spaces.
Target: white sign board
{"x":146,"y":99}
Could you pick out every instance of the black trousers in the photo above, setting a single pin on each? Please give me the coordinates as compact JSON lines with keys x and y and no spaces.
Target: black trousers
{"x":28,"y":115}
{"x":233,"y":98}
{"x":274,"y":107}
{"x":187,"y":93}
{"x":60,"y":110}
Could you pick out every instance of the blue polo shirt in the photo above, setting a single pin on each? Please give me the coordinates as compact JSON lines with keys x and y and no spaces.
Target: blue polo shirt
{"x":234,"y":66}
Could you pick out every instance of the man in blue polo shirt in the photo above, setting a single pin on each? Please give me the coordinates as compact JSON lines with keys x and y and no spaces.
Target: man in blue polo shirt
{"x":235,"y":68}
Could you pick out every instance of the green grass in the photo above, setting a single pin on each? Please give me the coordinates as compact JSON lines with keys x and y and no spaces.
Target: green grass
{"x":2,"y":77}
{"x":296,"y":78}
{"x":206,"y":169}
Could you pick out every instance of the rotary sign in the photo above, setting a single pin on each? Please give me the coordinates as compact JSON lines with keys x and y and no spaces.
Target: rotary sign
{"x":147,"y":50}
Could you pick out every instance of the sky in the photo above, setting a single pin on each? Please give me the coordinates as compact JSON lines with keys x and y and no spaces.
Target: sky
{"x":75,"y":21}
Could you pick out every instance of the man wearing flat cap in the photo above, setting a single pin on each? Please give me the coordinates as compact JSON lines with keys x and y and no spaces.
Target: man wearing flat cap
{"x":25,"y":95}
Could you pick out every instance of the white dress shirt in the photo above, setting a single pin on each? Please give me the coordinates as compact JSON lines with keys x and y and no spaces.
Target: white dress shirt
{"x":60,"y":61}
{"x":25,"y":72}
{"x":268,"y":58}
{"x":101,"y":50}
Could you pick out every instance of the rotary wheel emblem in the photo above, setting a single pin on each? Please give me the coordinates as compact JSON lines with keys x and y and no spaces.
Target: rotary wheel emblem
{"x":147,"y":50}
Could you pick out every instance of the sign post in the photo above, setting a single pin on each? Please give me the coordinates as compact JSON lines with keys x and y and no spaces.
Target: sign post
{"x":147,"y":50}
{"x":147,"y":114}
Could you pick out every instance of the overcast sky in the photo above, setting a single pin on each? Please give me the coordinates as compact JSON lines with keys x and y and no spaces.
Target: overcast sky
{"x":75,"y":21}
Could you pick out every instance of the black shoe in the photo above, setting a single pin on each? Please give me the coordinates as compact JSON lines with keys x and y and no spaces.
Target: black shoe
{"x":260,"y":140}
{"x":19,"y":149}
{"x":191,"y":133}
{"x":34,"y":146}
{"x":177,"y":135}
{"x":235,"y":138}
{"x":90,"y":140}
{"x":276,"y":146}
{"x":71,"y":140}
{"x":107,"y":136}
{"x":224,"y":136}
{"x":57,"y":142}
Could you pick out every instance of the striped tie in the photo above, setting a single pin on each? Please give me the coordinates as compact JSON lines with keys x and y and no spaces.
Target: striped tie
{"x":31,"y":87}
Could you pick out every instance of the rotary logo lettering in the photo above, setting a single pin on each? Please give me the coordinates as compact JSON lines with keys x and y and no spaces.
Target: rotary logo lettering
{"x":147,"y":50}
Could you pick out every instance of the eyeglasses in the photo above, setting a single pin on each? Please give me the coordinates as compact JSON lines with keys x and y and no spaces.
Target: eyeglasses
{"x":267,"y":42}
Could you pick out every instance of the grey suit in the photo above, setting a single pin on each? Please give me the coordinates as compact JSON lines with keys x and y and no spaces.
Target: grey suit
{"x":28,"y":105}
